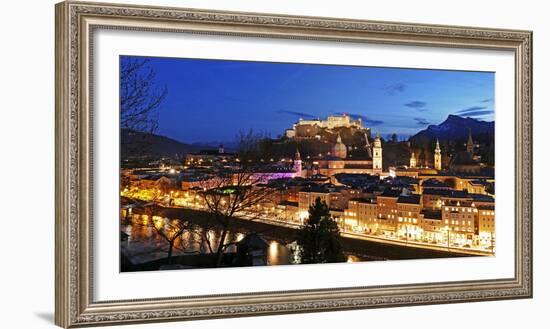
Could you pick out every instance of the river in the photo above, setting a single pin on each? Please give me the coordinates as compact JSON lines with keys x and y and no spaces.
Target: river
{"x":141,"y":244}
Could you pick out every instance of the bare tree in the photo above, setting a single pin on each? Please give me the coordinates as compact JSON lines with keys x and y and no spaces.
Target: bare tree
{"x":171,"y":230}
{"x":140,"y":98}
{"x":237,"y":193}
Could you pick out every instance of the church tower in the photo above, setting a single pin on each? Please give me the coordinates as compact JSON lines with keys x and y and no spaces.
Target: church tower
{"x":377,"y":153}
{"x":437,"y":156}
{"x":412,"y":162}
{"x":297,"y":164}
{"x":470,"y":143}
{"x":339,"y":149}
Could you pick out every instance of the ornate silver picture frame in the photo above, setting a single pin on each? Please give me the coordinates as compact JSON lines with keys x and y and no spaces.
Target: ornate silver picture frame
{"x":76,"y":22}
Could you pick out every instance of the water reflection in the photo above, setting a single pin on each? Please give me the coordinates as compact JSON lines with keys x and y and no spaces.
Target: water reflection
{"x":144,"y":244}
{"x":278,"y":254}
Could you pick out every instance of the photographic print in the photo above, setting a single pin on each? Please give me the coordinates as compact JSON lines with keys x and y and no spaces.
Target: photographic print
{"x":228,"y":163}
{"x":327,"y":156}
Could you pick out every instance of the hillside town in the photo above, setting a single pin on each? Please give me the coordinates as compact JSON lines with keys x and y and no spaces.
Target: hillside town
{"x":445,"y":201}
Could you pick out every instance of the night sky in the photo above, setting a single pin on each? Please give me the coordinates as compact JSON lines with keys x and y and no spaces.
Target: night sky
{"x":211,"y":100}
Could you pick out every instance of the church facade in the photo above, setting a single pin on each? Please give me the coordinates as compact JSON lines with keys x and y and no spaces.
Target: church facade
{"x":339,"y":161}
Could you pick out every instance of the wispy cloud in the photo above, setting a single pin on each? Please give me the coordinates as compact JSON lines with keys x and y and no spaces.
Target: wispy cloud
{"x":395,"y":88}
{"x":417,"y":105}
{"x":366,"y":120}
{"x":486,"y":100}
{"x":422,"y":121}
{"x":298,"y":114}
{"x":471,"y":109}
{"x":475,"y":111}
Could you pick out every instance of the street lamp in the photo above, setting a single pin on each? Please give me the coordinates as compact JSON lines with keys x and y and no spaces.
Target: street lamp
{"x":448,"y":238}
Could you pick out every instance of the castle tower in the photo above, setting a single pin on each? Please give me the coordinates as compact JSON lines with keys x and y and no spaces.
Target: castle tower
{"x":377,"y":153}
{"x":297,"y":164}
{"x":339,"y":149}
{"x":470,"y":143}
{"x":437,"y":156}
{"x":413,"y":160}
{"x":367,"y":146}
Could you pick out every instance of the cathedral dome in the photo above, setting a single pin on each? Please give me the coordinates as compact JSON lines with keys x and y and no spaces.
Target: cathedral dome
{"x":339,"y":149}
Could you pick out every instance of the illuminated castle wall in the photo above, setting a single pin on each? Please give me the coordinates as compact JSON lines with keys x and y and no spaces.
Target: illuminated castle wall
{"x":309,"y":128}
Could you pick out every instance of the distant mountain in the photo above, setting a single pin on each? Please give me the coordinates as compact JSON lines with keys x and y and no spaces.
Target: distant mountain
{"x":455,"y":128}
{"x":229,"y":146}
{"x":147,"y":145}
{"x":453,"y":134}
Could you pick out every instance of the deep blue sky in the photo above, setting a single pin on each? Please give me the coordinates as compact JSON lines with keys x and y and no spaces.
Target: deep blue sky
{"x":211,"y":100}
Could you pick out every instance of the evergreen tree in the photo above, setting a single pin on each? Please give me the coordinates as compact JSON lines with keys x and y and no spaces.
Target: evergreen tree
{"x":319,"y":237}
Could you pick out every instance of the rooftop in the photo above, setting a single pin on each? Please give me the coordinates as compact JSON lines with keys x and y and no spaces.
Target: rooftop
{"x":410,"y":199}
{"x":364,"y":200}
{"x":390,"y":193}
{"x":315,"y":189}
{"x":446,"y":193}
{"x":456,"y":203}
{"x":431,"y":214}
{"x":356,"y":165}
{"x":482,"y":198}
{"x":463,"y":159}
{"x":434,"y":183}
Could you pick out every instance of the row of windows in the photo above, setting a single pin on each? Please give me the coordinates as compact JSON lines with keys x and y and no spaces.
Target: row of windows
{"x":456,"y":222}
{"x":407,"y":220}
{"x":456,"y":216}
{"x":460,"y":209}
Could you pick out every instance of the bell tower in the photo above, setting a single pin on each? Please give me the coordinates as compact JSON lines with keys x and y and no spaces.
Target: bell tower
{"x":437,"y":156}
{"x":412,"y":161}
{"x":298,"y":164}
{"x":377,"y":153}
{"x":470,"y":143}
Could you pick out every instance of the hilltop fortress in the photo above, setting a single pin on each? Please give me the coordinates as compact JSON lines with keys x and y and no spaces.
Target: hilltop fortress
{"x":339,"y":159}
{"x":305,"y":129}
